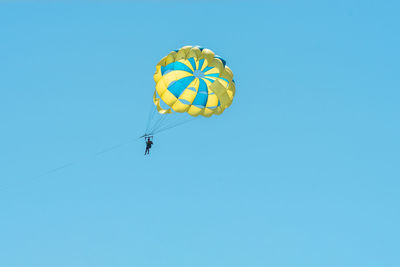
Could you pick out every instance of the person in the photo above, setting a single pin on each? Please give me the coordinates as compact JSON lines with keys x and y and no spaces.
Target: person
{"x":148,"y":145}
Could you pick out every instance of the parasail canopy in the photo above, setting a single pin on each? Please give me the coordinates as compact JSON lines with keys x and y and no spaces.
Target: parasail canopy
{"x":195,"y":81}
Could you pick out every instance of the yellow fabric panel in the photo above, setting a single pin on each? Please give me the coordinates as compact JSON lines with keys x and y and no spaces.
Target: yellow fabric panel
{"x":208,"y":84}
{"x":205,"y":63}
{"x":157,"y":103}
{"x":227,"y":75}
{"x":187,"y":95}
{"x":212,"y":71}
{"x":208,"y":112}
{"x":187,"y":49}
{"x":162,"y":61}
{"x":229,"y":71}
{"x":195,"y":83}
{"x":231,"y":90}
{"x":190,"y":95}
{"x":187,"y":63}
{"x":196,"y":53}
{"x":217,"y":63}
{"x":156,"y":100}
{"x":208,"y":55}
{"x":182,"y":53}
{"x":163,"y":111}
{"x":157,"y":75}
{"x":223,"y":82}
{"x":180,"y":107}
{"x":168,"y":98}
{"x":212,"y":78}
{"x":220,"y":91}
{"x":212,"y":101}
{"x":219,"y":110}
{"x":161,"y":87}
{"x":229,"y":101}
{"x":194,"y":111}
{"x":170,"y":58}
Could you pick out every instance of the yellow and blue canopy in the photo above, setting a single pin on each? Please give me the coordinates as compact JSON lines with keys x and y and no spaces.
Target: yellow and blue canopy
{"x":193,"y":80}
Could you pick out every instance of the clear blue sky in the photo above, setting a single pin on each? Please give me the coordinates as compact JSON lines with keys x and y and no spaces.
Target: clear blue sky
{"x":301,"y":171}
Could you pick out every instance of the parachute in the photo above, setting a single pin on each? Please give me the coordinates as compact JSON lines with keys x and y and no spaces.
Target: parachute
{"x":191,"y":81}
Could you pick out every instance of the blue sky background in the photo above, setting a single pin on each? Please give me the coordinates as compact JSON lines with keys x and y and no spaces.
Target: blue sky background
{"x":302,"y":170}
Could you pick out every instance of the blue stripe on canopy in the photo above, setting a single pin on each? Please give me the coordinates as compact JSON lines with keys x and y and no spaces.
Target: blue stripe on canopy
{"x":177,"y":87}
{"x":201,"y":62}
{"x":175,"y":66}
{"x":211,"y":80}
{"x":207,"y":69}
{"x":202,"y":94}
{"x":226,"y":80}
{"x":184,"y":101}
{"x":166,"y":71}
{"x":192,"y":62}
{"x":213,"y":75}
